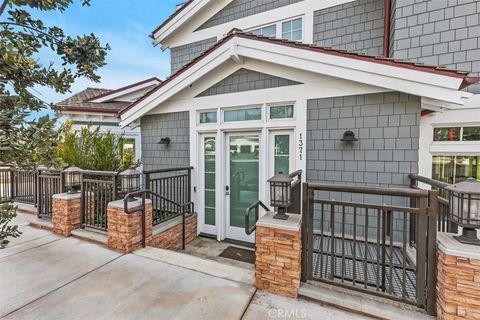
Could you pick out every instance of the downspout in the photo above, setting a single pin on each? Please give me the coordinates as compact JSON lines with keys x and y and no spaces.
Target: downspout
{"x":386,"y":30}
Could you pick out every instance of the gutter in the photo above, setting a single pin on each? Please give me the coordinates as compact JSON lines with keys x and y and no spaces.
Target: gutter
{"x":386,"y":29}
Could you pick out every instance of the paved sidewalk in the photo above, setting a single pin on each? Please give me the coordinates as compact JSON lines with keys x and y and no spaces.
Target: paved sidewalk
{"x":43,"y":276}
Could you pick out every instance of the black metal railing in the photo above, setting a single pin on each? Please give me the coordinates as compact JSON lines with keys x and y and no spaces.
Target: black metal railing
{"x":296,"y":192}
{"x":250,"y":224}
{"x":181,"y":210}
{"x":98,"y":188}
{"x":443,"y":223}
{"x":6,"y":183}
{"x":49,"y":182}
{"x":364,"y":244}
{"x":172,"y":185}
{"x":24,"y":186}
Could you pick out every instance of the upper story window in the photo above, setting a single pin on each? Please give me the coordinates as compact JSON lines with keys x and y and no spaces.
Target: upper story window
{"x":268,"y":31}
{"x":292,"y":30}
{"x":456,"y":134}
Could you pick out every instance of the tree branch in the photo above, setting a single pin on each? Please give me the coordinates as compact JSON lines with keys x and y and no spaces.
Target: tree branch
{"x":56,"y":40}
{"x":2,"y":7}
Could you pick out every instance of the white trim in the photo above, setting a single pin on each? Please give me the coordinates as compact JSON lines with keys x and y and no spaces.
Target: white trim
{"x":118,"y":94}
{"x":182,"y":35}
{"x":410,"y":81}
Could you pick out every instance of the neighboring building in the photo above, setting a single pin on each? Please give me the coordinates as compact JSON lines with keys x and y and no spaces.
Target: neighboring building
{"x":99,"y":108}
{"x":256,"y":89}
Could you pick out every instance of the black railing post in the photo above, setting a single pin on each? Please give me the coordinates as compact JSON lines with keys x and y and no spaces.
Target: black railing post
{"x":422,"y":251}
{"x":189,"y":192}
{"x":144,"y":236}
{"x":12,"y":184}
{"x":305,"y":232}
{"x":39,"y":194}
{"x":432,"y":253}
{"x":82,"y":201}
{"x":183,"y":228}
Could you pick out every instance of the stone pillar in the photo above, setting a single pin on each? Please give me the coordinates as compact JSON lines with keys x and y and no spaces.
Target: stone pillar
{"x":458,"y":279}
{"x":66,"y":213}
{"x":278,"y":254}
{"x":125,"y":229}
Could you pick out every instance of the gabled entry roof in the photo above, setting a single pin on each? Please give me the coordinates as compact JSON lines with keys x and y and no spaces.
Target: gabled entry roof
{"x":428,"y":81}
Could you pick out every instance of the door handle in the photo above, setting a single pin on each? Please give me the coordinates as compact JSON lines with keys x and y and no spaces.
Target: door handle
{"x":227,"y":190}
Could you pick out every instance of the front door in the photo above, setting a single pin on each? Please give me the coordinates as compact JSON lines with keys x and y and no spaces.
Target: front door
{"x":242,"y":181}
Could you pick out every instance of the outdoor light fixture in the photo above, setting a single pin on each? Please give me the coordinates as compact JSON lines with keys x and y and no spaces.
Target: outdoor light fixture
{"x":130,"y":182}
{"x":165,"y":140}
{"x":349,"y":136}
{"x":72,"y":179}
{"x":465,"y":209}
{"x":280,"y":194}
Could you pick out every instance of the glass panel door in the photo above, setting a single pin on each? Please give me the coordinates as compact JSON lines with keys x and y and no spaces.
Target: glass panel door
{"x":207,"y":219}
{"x":209,"y":180}
{"x":243,"y":173}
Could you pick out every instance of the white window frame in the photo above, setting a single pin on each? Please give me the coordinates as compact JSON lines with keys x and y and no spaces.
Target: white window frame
{"x":291,"y":31}
{"x":255,"y":106}
{"x":279,"y":23}
{"x":290,"y":103}
{"x":207,"y":111}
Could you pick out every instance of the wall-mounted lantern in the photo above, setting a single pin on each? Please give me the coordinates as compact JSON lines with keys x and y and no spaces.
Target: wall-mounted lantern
{"x":129,"y":182}
{"x":165,"y":140}
{"x":72,"y":179}
{"x":349,"y":136}
{"x":465,"y":209}
{"x":280,"y":194}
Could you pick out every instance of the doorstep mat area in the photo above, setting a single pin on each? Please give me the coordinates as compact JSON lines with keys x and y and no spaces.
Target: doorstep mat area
{"x":239,"y":254}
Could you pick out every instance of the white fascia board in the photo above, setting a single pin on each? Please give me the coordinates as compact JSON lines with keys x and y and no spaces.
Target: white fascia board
{"x":178,"y":20}
{"x":395,"y":78}
{"x":188,"y":77}
{"x":188,"y":34}
{"x":115,"y":95}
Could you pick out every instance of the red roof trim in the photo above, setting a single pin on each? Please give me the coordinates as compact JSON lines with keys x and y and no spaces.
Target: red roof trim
{"x":335,"y":52}
{"x":82,"y":109}
{"x":469,"y":81}
{"x":123,"y":88}
{"x":171,"y":17}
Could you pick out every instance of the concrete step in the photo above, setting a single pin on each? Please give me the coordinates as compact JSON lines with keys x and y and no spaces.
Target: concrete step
{"x":358,"y":302}
{"x":41,"y":223}
{"x":91,"y":235}
{"x":203,"y":265}
{"x":26,"y":208}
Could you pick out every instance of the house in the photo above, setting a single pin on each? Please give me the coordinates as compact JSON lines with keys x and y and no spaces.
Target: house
{"x":99,"y":108}
{"x":259,"y":87}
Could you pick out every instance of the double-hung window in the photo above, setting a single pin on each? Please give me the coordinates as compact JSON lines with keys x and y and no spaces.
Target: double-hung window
{"x":292,"y":30}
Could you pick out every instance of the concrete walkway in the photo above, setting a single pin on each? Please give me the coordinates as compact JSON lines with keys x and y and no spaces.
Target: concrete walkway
{"x":43,"y":276}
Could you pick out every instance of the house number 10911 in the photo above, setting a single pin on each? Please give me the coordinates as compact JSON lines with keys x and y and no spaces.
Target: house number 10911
{"x":300,"y":147}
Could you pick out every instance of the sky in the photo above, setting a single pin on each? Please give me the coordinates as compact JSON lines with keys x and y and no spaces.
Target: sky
{"x":126,"y":26}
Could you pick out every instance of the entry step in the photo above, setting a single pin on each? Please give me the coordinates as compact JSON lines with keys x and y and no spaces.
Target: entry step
{"x":91,"y":235}
{"x":365,"y":304}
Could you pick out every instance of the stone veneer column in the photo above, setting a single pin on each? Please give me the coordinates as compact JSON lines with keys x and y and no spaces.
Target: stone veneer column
{"x":124,"y":229}
{"x":66,"y":213}
{"x":458,"y":279}
{"x":278,"y":254}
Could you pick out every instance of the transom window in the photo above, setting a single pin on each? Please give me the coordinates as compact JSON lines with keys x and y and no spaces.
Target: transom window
{"x":456,"y":134}
{"x":281,"y":112}
{"x":208,"y":117}
{"x":245,"y":114}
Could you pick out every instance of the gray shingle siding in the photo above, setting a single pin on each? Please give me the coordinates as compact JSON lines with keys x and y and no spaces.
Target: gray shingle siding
{"x":387,"y":128}
{"x":440,"y":32}
{"x":153,"y":128}
{"x":180,"y":56}
{"x":246,"y":80}
{"x":356,"y":26}
{"x":238,"y":9}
